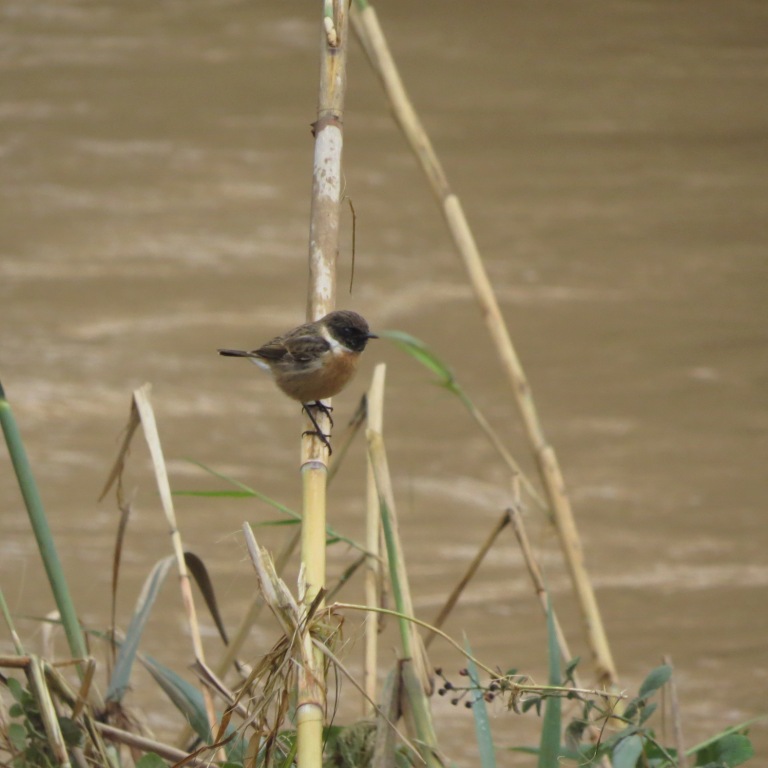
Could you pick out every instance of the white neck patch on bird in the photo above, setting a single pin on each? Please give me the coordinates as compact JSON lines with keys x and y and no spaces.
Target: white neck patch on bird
{"x":336,"y":346}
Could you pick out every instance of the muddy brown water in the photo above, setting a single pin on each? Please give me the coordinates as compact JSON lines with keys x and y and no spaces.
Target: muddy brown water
{"x":613,"y":160}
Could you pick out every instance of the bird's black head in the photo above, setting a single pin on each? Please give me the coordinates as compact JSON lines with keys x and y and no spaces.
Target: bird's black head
{"x":349,"y":328}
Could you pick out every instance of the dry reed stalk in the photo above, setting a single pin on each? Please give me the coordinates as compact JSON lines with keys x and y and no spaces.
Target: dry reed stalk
{"x":375,"y":408}
{"x":570,"y":543}
{"x":374,"y":43}
{"x":254,"y":609}
{"x":516,"y":520}
{"x":298,"y":621}
{"x":323,"y":254}
{"x":47,"y":710}
{"x":144,"y":744}
{"x":142,"y":413}
{"x":413,"y":647}
{"x":152,"y":436}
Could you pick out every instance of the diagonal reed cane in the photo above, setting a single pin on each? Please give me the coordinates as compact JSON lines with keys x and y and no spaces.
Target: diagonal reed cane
{"x":374,"y":43}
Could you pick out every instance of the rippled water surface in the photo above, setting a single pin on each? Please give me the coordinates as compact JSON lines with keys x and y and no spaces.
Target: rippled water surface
{"x":613,"y":160}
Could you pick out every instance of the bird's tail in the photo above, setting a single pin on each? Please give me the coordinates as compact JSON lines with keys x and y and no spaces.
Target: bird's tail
{"x":252,"y":356}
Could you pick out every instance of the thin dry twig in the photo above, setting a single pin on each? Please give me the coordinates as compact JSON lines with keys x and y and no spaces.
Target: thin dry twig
{"x":453,"y":598}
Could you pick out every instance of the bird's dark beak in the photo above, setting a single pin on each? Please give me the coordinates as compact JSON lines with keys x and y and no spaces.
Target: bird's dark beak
{"x":371,"y":336}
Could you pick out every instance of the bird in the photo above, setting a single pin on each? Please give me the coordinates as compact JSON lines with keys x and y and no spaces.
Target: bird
{"x":314,"y":361}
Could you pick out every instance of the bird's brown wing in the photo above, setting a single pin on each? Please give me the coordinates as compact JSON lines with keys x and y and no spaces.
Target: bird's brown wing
{"x":273,"y":350}
{"x":299,"y":348}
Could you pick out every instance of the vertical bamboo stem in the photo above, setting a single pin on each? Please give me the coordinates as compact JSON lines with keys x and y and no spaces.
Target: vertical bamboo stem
{"x":376,"y":48}
{"x":314,"y":481}
{"x":321,"y":299}
{"x":309,"y":727}
{"x":323,"y":253}
{"x":327,"y":172}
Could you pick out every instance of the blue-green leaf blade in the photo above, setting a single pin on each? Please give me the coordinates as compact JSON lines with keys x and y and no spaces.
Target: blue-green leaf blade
{"x":656,"y":679}
{"x":121,"y":675}
{"x":549,"y":750}
{"x":185,"y":697}
{"x":626,"y":753}
{"x":420,"y":352}
{"x":480,"y":713}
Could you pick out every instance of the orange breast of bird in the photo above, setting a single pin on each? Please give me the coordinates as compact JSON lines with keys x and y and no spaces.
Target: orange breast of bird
{"x":324,"y":377}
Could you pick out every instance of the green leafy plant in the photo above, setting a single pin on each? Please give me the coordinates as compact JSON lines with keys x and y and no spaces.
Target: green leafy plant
{"x":26,"y":734}
{"x":624,"y":736}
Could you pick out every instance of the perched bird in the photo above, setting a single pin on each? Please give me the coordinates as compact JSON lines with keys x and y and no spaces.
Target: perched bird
{"x":313,"y":361}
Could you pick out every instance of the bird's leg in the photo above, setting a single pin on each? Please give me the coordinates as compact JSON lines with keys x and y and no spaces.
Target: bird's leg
{"x":306,"y":407}
{"x":326,"y":409}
